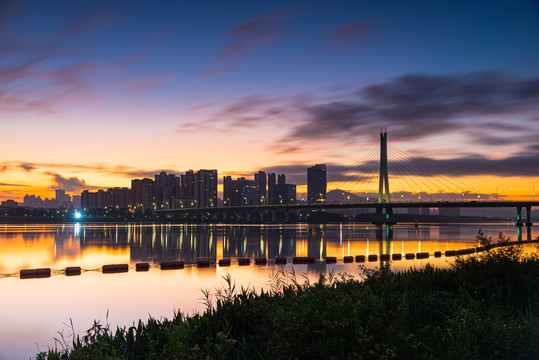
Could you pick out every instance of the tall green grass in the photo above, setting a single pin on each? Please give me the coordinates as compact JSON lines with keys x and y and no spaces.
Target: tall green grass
{"x":485,"y":307}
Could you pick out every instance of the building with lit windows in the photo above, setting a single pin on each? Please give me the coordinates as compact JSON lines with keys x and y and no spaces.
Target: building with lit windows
{"x":316,"y":183}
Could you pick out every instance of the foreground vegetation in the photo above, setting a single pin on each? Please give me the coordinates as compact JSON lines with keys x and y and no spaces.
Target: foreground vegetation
{"x":484,"y":307}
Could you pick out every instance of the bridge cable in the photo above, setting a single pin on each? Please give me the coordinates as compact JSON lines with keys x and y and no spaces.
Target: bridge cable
{"x":451,"y":180}
{"x":411,"y":178}
{"x":341,"y":177}
{"x":422,"y":173}
{"x":355,"y":167}
{"x":430,"y":177}
{"x":369,"y":168}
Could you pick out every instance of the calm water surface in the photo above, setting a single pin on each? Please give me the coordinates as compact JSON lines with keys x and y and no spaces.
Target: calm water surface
{"x":34,"y":310}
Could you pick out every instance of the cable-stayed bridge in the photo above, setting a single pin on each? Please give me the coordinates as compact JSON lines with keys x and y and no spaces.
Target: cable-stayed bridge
{"x":426,"y":179}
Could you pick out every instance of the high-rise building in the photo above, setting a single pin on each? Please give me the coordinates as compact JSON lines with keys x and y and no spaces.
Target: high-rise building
{"x":271,"y":187}
{"x":206,"y":188}
{"x":88,"y":200}
{"x":284,"y":194}
{"x":102,"y":199}
{"x":142,"y":194}
{"x":228,"y":191}
{"x":76,"y":201}
{"x":136,"y":194}
{"x":118,"y":198}
{"x":61,"y":196}
{"x":240,"y":192}
{"x":165,"y":188}
{"x":316,"y":183}
{"x":9,"y":203}
{"x":187,"y":187}
{"x":281,"y":179}
{"x":260,"y":180}
{"x":148,"y":194}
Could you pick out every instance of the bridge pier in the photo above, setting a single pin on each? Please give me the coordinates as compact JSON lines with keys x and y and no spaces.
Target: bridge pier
{"x":273,"y":216}
{"x":519,"y":216}
{"x":248,"y":216}
{"x":381,"y":219}
{"x":286,"y":216}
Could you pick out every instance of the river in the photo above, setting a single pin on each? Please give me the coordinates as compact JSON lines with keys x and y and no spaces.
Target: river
{"x":34,"y":311}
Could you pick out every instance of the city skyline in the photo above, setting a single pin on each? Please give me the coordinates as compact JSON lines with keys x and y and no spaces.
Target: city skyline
{"x":95,"y":94}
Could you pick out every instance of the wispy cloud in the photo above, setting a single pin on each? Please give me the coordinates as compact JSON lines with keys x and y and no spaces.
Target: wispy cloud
{"x":18,"y":185}
{"x":29,"y":80}
{"x":413,"y":107}
{"x":250,"y":36}
{"x":346,"y":38}
{"x":147,"y":84}
{"x":50,"y":169}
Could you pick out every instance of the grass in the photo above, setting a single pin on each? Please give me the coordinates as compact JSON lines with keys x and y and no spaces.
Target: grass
{"x":485,"y":307}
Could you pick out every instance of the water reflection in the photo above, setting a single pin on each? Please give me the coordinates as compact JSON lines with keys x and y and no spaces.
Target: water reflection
{"x":95,"y":245}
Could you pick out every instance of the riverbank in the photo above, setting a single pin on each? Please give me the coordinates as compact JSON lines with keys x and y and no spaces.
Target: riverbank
{"x":483,"y":307}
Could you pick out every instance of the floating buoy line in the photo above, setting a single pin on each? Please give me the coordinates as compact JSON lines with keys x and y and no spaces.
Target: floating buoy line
{"x":38,"y":273}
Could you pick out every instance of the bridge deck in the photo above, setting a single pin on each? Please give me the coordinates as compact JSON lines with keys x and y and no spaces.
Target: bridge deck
{"x":390,"y":205}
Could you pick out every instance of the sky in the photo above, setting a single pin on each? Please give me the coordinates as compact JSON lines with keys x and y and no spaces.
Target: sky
{"x":96,"y":93}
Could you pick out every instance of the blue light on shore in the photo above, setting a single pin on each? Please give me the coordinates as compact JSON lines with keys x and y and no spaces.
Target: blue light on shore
{"x":78,"y":215}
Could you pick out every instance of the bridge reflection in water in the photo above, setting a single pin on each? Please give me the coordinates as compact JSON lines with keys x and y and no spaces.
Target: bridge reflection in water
{"x":58,"y":246}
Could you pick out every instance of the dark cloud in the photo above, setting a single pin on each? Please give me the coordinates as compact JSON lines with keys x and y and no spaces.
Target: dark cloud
{"x":27,"y":166}
{"x":415,"y":106}
{"x":476,"y":105}
{"x":519,"y":165}
{"x":69,"y":184}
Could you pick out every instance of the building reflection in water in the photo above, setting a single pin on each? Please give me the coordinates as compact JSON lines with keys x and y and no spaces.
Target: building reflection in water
{"x":190,"y":243}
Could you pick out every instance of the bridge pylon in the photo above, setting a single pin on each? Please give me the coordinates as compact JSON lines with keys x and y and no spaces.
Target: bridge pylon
{"x":383,"y":187}
{"x":384,"y":174}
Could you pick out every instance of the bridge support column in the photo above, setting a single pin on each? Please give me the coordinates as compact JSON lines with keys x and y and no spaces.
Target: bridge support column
{"x":273,"y":216}
{"x":248,"y":216}
{"x":379,"y":217}
{"x":390,"y":218}
{"x":201,"y":218}
{"x":529,"y":222}
{"x":519,"y":216}
{"x":286,"y":216}
{"x":261,"y":215}
{"x":224,"y":216}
